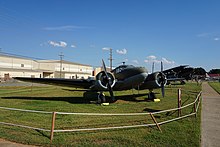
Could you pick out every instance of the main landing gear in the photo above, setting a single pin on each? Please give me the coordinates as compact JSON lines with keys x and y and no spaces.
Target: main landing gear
{"x":152,"y":96}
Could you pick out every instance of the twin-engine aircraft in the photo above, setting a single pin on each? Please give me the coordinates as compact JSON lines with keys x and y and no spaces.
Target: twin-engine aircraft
{"x":124,"y":77}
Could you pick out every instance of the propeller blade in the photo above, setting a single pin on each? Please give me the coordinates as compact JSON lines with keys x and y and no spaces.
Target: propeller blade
{"x":163,"y":80}
{"x":163,"y":89}
{"x":105,"y":70}
{"x":108,"y":81}
{"x":153,"y":67}
{"x":161,"y":67}
{"x":111,"y":93}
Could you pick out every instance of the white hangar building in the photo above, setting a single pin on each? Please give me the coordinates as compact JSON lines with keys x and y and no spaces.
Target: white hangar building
{"x":15,"y":66}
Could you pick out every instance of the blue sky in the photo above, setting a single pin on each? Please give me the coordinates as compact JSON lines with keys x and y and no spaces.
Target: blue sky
{"x":140,"y":32}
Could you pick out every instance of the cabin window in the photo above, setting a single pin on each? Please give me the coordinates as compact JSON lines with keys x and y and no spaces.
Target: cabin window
{"x":22,"y":65}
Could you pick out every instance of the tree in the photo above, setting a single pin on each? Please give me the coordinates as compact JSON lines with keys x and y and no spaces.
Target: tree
{"x":199,"y":71}
{"x":214,"y":71}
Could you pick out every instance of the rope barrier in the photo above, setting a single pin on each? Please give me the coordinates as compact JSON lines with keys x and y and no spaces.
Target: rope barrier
{"x":124,"y":127}
{"x":97,"y":114}
{"x":181,"y":117}
{"x":105,"y":128}
{"x":23,"y":126}
{"x":104,"y":114}
{"x":25,"y":110}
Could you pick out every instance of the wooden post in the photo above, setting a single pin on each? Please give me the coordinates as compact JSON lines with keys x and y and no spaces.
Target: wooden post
{"x":155,"y":122}
{"x":195,"y":109}
{"x":199,"y":96}
{"x":52,"y":126}
{"x":179,"y":102}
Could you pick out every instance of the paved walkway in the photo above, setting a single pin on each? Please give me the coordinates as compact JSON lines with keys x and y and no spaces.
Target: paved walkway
{"x":210,"y":117}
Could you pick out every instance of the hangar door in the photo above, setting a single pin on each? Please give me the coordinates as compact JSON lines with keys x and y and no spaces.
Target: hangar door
{"x":47,"y":74}
{"x":6,"y":77}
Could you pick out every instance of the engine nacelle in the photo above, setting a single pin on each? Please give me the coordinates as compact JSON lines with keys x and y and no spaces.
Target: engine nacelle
{"x":102,"y":80}
{"x":153,"y":81}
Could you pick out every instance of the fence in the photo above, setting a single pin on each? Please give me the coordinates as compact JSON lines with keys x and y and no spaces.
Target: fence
{"x":195,"y":105}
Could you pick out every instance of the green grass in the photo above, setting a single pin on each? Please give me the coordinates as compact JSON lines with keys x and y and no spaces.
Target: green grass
{"x":185,"y":132}
{"x":215,"y":85}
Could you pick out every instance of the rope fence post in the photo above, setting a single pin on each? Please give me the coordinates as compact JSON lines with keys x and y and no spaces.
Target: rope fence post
{"x":179,"y":102}
{"x":52,"y":126}
{"x":195,"y":109}
{"x":200,"y":94}
{"x":155,"y":122}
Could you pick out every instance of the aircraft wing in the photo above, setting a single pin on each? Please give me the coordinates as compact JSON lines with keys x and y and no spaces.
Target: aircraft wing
{"x":175,"y":79}
{"x":175,"y":69}
{"x":181,"y":80}
{"x":77,"y":83}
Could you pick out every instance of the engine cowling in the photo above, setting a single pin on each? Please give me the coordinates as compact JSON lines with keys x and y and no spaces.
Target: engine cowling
{"x":154,"y":80}
{"x":102,"y":80}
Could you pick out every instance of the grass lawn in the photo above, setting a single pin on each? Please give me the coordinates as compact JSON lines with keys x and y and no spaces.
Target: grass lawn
{"x":215,"y":85}
{"x":185,"y":132}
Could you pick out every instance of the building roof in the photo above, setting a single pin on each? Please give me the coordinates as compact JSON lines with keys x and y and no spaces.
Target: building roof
{"x":214,"y":75}
{"x":63,"y":61}
{"x":14,"y":56}
{"x":24,"y":70}
{"x":39,"y":60}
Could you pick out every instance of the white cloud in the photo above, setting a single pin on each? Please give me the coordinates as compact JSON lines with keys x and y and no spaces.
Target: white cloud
{"x":123,"y":51}
{"x":135,"y":61}
{"x":106,"y":48}
{"x":217,"y":39}
{"x":213,"y":36}
{"x":58,"y":44}
{"x":64,"y":28}
{"x":63,"y":44}
{"x":165,"y":61}
{"x":152,"y":58}
{"x":73,"y":46}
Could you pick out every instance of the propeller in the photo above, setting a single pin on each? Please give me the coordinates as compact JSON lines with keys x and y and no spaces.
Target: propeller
{"x":163,"y":80}
{"x":108,"y":79}
{"x":152,"y":67}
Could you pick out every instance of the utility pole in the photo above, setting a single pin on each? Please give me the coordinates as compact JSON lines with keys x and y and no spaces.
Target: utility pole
{"x":110,"y":58}
{"x":61,"y":63}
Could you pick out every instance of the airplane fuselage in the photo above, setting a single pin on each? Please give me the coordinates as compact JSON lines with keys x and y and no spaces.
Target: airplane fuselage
{"x":129,"y":77}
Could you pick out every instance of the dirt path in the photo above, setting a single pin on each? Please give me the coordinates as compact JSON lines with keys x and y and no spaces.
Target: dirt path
{"x":210,"y":117}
